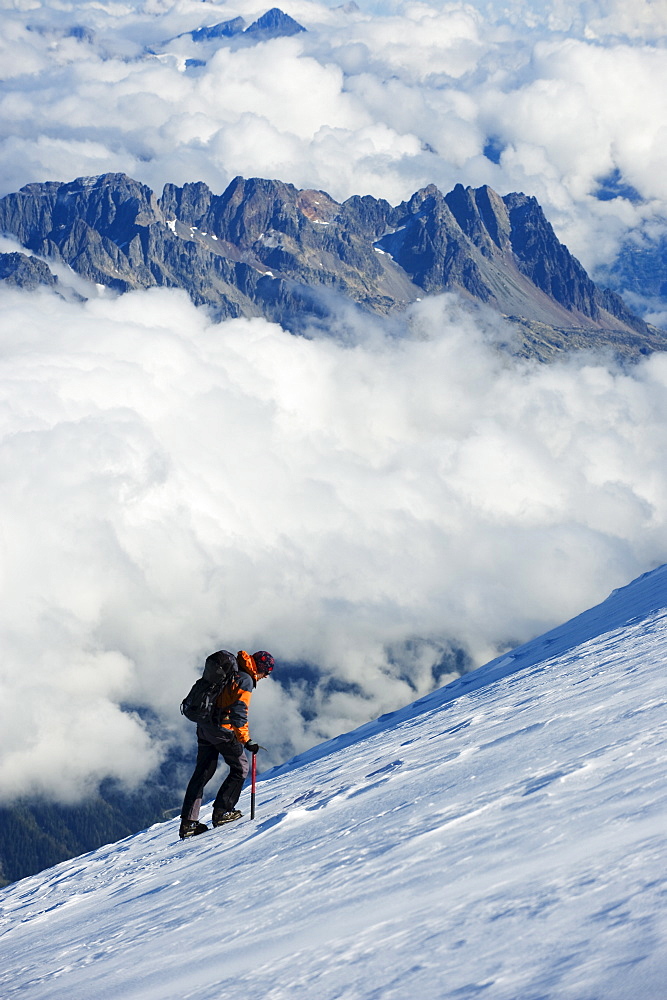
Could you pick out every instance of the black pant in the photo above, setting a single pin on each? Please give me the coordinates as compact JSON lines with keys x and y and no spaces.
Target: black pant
{"x":211,"y":743}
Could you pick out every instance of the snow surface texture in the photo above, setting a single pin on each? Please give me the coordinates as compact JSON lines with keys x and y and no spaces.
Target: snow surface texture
{"x":503,"y":837}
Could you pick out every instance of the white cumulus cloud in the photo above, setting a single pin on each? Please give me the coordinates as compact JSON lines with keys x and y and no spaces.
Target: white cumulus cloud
{"x":171,"y":486}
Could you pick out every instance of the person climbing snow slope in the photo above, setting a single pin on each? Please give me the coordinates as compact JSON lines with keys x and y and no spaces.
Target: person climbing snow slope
{"x":226,"y":735}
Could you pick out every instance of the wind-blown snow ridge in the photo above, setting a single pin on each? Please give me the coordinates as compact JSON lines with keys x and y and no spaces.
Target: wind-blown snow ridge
{"x":504,"y":838}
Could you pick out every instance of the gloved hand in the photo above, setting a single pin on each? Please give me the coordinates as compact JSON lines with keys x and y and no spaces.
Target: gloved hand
{"x":252,"y":747}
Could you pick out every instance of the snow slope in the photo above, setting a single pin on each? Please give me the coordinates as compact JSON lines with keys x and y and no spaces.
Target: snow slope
{"x":503,"y":838}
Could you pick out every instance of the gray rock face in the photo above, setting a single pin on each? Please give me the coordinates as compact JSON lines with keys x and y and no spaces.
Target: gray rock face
{"x":22,"y":271}
{"x":504,"y":252}
{"x":266,"y":248}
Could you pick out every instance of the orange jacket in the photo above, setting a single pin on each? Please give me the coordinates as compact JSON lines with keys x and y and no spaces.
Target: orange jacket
{"x":234,"y":701}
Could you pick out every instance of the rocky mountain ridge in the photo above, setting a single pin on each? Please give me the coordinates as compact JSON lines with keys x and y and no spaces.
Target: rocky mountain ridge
{"x":273,"y":24}
{"x":266,"y":248}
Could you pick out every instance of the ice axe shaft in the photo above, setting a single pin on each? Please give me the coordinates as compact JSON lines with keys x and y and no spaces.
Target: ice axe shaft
{"x":252,"y":787}
{"x":254,"y":782}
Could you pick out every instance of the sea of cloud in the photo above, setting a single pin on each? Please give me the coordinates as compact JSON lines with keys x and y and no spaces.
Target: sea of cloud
{"x":557,"y":99}
{"x":379,"y":504}
{"x":366,"y":504}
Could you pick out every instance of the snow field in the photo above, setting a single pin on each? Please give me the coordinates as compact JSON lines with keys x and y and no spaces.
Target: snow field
{"x":504,"y":837}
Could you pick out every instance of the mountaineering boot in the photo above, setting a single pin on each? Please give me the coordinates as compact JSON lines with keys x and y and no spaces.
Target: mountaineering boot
{"x":190,"y":828}
{"x":225,"y":817}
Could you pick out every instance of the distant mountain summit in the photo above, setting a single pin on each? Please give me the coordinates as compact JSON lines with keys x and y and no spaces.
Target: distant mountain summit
{"x":273,"y":24}
{"x":266,"y":248}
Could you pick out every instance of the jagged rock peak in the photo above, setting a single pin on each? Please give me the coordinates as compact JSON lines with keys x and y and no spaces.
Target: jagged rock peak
{"x":273,"y":24}
{"x":482,"y":215}
{"x":189,"y":203}
{"x":429,"y":195}
{"x":248,"y":208}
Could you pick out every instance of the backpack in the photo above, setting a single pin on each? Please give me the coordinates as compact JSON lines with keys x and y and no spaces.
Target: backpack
{"x":199,"y":704}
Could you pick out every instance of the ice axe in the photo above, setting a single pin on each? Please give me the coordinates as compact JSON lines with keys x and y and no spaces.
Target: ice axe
{"x":253,"y":782}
